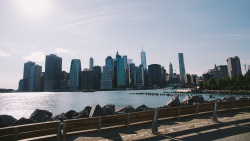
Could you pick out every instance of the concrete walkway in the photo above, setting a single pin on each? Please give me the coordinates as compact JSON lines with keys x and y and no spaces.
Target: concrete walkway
{"x":234,"y":126}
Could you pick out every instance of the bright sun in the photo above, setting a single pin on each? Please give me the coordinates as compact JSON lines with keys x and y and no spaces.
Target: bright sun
{"x":34,"y":8}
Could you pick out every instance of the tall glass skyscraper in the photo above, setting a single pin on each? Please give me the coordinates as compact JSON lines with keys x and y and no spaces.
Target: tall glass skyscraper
{"x":171,"y":71}
{"x":106,"y":79}
{"x":182,"y":67}
{"x":110,"y":64}
{"x":119,"y":71}
{"x":35,"y":78}
{"x":91,"y":64}
{"x":26,"y":75}
{"x":53,"y":69}
{"x":75,"y":74}
{"x":143,"y":59}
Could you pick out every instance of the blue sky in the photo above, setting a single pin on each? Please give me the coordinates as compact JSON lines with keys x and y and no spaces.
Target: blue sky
{"x":207,"y":32}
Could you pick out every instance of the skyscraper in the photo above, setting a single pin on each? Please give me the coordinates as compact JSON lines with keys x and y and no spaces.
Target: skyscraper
{"x":97,"y":70}
{"x":182,"y":66}
{"x":119,"y":71}
{"x":53,"y":69}
{"x":233,"y":65}
{"x":171,"y":71}
{"x":91,"y":64}
{"x":75,"y":74}
{"x":131,"y":74}
{"x":154,"y":72}
{"x":143,"y":59}
{"x":139,"y":76}
{"x":110,"y":64}
{"x":106,"y":79}
{"x":87,"y":80}
{"x":25,"y":82}
{"x":35,"y":78}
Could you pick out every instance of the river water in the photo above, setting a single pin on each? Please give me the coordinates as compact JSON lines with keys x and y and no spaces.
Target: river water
{"x":23,"y":104}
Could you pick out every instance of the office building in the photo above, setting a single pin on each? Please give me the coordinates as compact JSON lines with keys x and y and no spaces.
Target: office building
{"x":219,"y":72}
{"x":53,"y":69}
{"x":171,"y":70}
{"x":25,"y":82}
{"x":139,"y":76}
{"x":187,"y":78}
{"x":109,"y":62}
{"x":132,"y":74}
{"x":119,"y":72}
{"x":193,"y":79}
{"x":106,"y":78}
{"x":87,"y":80}
{"x":154,"y":72}
{"x":97,"y":70}
{"x":35,"y":78}
{"x":75,"y":74}
{"x":91,"y":64}
{"x":234,"y":66}
{"x":143,"y":59}
{"x":182,"y":67}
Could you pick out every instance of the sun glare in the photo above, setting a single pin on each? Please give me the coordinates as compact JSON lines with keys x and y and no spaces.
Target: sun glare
{"x":34,"y":8}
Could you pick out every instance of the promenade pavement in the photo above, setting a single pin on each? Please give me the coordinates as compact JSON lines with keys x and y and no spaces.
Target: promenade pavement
{"x":231,"y":126}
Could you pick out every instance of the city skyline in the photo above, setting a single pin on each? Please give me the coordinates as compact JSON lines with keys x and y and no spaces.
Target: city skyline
{"x":207,"y":31}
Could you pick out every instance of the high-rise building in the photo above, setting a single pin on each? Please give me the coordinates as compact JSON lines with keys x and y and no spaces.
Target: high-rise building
{"x":97,"y":76}
{"x":187,"y":78}
{"x":106,"y":79}
{"x":143,"y":59}
{"x":131,"y":74}
{"x":193,"y":79}
{"x":154,"y":72}
{"x":25,"y":82}
{"x":219,"y":72}
{"x":75,"y":74}
{"x":91,"y":64}
{"x":182,"y":67}
{"x":233,"y":65}
{"x":109,"y":62}
{"x":87,"y":80}
{"x":53,"y":69}
{"x":119,"y":71}
{"x":126,"y":69}
{"x":171,"y":70}
{"x":139,"y":76}
{"x":35,"y":78}
{"x":163,"y":76}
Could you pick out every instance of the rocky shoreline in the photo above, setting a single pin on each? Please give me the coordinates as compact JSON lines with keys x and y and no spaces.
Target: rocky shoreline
{"x":88,"y":112}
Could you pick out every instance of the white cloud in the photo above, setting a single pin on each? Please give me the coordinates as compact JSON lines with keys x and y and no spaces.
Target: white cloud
{"x":37,"y":56}
{"x":4,"y":54}
{"x":61,"y":50}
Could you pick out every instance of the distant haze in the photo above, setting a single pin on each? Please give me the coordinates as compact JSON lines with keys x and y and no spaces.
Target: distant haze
{"x":206,"y":32}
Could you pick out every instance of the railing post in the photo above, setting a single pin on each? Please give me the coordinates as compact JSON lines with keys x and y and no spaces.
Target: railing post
{"x":197,"y":110}
{"x":128,"y":120}
{"x":154,"y":121}
{"x":214,"y":118}
{"x":15,"y":132}
{"x":231,"y":106}
{"x":58,"y":131}
{"x":179,"y":111}
{"x":64,"y":130}
{"x":99,"y":124}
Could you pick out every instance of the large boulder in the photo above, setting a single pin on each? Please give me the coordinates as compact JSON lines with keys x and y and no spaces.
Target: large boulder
{"x":87,"y":108}
{"x":23,"y":121}
{"x":60,"y":117}
{"x":6,"y":120}
{"x":142,"y":108}
{"x":96,"y":111}
{"x":70,"y":114}
{"x":46,"y":119}
{"x":228,"y":98}
{"x":109,"y":109}
{"x":125,"y":109}
{"x":38,"y":115}
{"x":174,"y":102}
{"x":190,"y":100}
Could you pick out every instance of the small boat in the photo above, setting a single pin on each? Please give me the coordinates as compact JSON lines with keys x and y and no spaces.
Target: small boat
{"x":88,"y":90}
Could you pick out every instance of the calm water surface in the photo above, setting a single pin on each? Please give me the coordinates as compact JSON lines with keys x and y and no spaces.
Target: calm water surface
{"x":23,"y":104}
